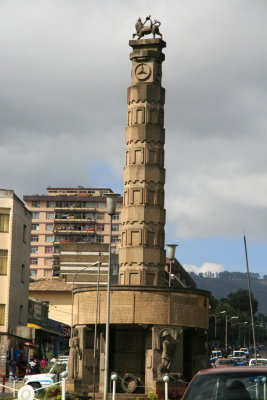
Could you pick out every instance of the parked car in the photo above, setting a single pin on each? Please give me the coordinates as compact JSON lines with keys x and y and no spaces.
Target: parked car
{"x":260,"y":361}
{"x":245,"y":349}
{"x":222,"y":363}
{"x":244,"y":383}
{"x":239,"y":361}
{"x":239,"y":353}
{"x":215,"y":354}
{"x":57,"y":371}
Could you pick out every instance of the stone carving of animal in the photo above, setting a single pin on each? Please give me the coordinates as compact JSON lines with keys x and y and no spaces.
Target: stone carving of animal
{"x":146,"y":30}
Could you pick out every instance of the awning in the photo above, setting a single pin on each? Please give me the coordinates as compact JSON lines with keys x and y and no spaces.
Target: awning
{"x":30,"y":325}
{"x":29,"y":344}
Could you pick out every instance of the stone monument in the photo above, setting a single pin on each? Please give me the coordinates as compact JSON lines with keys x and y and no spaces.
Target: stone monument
{"x":142,"y":254}
{"x":154,"y":329}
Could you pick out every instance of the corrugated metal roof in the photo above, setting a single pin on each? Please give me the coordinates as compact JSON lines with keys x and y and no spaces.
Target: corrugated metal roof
{"x":50,"y":285}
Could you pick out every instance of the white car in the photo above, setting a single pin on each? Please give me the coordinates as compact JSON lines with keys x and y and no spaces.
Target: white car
{"x":38,"y":381}
{"x":260,"y":361}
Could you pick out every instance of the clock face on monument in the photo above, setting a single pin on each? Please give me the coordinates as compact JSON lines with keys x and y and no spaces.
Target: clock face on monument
{"x":142,"y":72}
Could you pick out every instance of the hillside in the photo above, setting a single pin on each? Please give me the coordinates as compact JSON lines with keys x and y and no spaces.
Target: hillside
{"x":222,"y":286}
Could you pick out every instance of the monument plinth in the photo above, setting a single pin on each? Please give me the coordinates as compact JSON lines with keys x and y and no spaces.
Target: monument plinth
{"x":142,"y":255}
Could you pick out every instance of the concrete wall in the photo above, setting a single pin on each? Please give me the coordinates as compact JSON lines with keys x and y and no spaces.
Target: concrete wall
{"x":59,"y":304}
{"x":14,"y":285}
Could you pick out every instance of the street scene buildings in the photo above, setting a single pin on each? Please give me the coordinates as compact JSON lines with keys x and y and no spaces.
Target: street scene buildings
{"x":67,"y":215}
{"x":15,"y":227}
{"x":84,"y":272}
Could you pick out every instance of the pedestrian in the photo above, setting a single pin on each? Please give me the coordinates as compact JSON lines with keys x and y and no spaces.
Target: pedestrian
{"x":12,"y":370}
{"x":43,"y":363}
{"x":36,"y":367}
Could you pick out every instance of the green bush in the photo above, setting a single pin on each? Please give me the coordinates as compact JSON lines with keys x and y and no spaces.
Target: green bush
{"x":152,"y":396}
{"x":52,"y":392}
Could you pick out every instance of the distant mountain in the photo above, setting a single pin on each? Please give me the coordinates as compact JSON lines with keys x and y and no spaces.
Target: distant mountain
{"x":227,"y":282}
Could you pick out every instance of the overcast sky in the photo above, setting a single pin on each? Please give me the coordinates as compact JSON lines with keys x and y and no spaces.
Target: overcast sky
{"x":64,"y":71}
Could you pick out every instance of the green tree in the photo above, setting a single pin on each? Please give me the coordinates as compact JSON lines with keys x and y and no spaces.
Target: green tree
{"x":240,"y":301}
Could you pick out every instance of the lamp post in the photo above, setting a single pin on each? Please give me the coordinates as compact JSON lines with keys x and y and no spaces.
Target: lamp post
{"x":72,"y":296}
{"x":171,"y":256}
{"x":244,"y":326}
{"x":96,"y":321}
{"x":215,"y":323}
{"x":226,"y":332}
{"x":111,"y":209}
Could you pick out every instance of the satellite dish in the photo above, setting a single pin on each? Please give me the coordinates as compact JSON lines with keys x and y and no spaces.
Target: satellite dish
{"x":26,"y":392}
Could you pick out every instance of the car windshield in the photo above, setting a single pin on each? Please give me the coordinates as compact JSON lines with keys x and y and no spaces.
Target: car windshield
{"x":229,"y":386}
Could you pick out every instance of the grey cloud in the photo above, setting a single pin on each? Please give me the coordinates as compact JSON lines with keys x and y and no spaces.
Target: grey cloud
{"x":64,"y":72}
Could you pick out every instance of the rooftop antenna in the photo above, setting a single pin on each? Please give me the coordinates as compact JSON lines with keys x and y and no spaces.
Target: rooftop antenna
{"x":250,"y":301}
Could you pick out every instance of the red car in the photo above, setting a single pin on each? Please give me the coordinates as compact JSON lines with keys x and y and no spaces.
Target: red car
{"x":238,"y":383}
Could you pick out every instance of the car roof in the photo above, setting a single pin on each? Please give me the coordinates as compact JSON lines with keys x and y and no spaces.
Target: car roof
{"x":260,"y":368}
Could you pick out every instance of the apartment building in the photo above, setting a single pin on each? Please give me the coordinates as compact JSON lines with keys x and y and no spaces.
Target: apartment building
{"x":68,"y":215}
{"x":15,"y":226}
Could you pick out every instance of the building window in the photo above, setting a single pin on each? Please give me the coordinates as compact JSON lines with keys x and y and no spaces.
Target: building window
{"x":34,"y":261}
{"x":20,"y":314}
{"x":49,"y":227}
{"x":102,"y":205}
{"x":22,"y":277}
{"x":50,"y":215}
{"x":115,"y":228}
{"x":35,"y":227}
{"x":3,"y":262}
{"x":48,"y":262}
{"x":116,"y":216}
{"x":34,"y":249}
{"x":49,"y":204}
{"x":35,"y":238}
{"x":100,"y":227}
{"x":36,"y":204}
{"x":100,"y":215}
{"x":47,"y":272}
{"x":49,"y":238}
{"x":4,"y":222}
{"x":115,"y":239}
{"x":114,"y":269}
{"x":36,"y":215}
{"x":2,"y":314}
{"x":33,"y":273}
{"x":24,"y":233}
{"x":100,"y":239}
{"x":48,"y":250}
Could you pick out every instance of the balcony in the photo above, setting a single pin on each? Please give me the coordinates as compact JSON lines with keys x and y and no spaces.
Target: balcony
{"x":75,"y":208}
{"x":74,"y":230}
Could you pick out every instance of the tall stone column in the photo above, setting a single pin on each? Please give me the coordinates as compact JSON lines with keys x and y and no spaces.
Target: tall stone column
{"x":142,"y":254}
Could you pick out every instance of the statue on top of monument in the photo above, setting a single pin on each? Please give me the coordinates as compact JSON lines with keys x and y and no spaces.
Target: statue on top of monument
{"x":142,"y":30}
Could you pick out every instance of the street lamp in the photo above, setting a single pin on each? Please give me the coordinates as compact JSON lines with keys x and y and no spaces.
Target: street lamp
{"x":215,"y":323}
{"x":111,"y":209}
{"x":226,"y":333}
{"x":244,"y":327}
{"x":72,"y":295}
{"x":171,"y":257}
{"x":96,"y":321}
